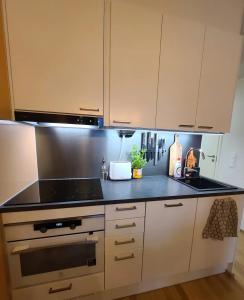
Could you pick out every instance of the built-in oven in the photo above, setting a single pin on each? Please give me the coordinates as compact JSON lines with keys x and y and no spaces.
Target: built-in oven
{"x":55,"y":250}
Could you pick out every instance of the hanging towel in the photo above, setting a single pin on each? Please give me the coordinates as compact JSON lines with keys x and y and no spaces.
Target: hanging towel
{"x":222,"y":221}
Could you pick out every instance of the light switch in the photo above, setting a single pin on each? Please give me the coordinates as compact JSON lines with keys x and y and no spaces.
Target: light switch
{"x":233,"y":160}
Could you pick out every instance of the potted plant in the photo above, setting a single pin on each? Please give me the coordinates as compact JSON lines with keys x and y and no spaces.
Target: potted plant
{"x":138,"y":161}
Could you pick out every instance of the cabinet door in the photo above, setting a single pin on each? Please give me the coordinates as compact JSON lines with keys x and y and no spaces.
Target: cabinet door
{"x":180,"y":67}
{"x":208,"y":253}
{"x":135,"y":43}
{"x":5,"y":100}
{"x":168,"y":237}
{"x":56,"y":51}
{"x":221,"y":59}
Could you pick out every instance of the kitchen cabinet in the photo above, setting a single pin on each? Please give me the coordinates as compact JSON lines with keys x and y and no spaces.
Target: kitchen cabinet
{"x":168,"y":237}
{"x":4,"y":285}
{"x":209,"y":253}
{"x":198,"y":72}
{"x":179,"y":74}
{"x":134,"y":62}
{"x":123,"y":244}
{"x":56,"y":53}
{"x":78,"y":287}
{"x":220,"y":65}
{"x":5,"y":99}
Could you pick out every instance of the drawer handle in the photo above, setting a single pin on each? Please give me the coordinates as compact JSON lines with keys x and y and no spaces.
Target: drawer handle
{"x":89,"y":109}
{"x":173,"y":205}
{"x":68,"y":288}
{"x":125,"y":226}
{"x":186,"y":125}
{"x":125,"y":208}
{"x":205,"y":127}
{"x":86,"y":295}
{"x":121,"y":122}
{"x":117,"y":243}
{"x":116,"y":258}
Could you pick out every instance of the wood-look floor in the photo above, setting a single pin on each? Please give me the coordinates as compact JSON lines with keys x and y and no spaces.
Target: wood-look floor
{"x":218,"y":287}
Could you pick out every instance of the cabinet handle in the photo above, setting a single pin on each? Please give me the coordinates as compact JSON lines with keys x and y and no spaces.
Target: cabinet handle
{"x":89,"y":109}
{"x":173,"y":205}
{"x":121,"y":122}
{"x":68,"y":288}
{"x":205,"y":127}
{"x":116,"y":258}
{"x":125,"y":208}
{"x":117,"y":243}
{"x":125,"y":226}
{"x":186,"y":125}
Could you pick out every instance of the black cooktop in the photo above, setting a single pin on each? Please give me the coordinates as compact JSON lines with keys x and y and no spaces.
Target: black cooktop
{"x":59,"y":190}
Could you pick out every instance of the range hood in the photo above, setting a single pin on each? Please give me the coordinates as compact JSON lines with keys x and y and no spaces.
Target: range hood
{"x":52,"y":119}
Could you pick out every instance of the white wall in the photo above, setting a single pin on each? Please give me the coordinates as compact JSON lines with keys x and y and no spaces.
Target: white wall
{"x":231,"y":162}
{"x":18,"y":162}
{"x":230,"y":168}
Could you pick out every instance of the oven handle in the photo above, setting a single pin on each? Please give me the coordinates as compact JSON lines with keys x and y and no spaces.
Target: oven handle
{"x":20,"y":249}
{"x":27,"y":248}
{"x":52,"y":291}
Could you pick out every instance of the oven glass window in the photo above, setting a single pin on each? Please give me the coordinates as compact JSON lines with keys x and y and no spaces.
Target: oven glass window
{"x":56,"y":258}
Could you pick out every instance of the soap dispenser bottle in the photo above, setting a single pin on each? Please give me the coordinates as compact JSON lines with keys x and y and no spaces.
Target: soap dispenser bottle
{"x":104,"y":171}
{"x":178,"y":170}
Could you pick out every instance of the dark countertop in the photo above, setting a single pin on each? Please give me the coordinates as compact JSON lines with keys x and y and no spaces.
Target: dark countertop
{"x":149,"y":188}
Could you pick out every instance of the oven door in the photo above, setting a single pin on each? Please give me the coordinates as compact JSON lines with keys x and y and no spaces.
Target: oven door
{"x":55,"y":258}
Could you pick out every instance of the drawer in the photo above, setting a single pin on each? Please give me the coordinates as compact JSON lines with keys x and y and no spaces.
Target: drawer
{"x":124,"y":227}
{"x":124,"y":211}
{"x":60,"y":290}
{"x":116,"y":244}
{"x":51,"y":214}
{"x":123,"y":269}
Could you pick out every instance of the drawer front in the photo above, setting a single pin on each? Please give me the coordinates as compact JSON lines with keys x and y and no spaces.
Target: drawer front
{"x":60,"y":290}
{"x":51,"y":214}
{"x":123,"y":269}
{"x":124,"y":227}
{"x":120,"y":243}
{"x":124,"y":211}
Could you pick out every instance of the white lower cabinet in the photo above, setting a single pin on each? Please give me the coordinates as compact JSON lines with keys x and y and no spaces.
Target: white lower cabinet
{"x":208,"y":253}
{"x":124,"y":230}
{"x":169,"y":229}
{"x":123,"y":268}
{"x":61,"y":290}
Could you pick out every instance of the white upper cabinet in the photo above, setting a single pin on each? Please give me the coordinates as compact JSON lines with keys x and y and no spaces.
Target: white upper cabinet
{"x":179,"y":76}
{"x":221,"y":59}
{"x":134,"y":62}
{"x":56,"y":53}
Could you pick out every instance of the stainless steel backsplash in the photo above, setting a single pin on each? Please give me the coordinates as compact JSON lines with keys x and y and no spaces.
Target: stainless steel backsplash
{"x":76,"y":152}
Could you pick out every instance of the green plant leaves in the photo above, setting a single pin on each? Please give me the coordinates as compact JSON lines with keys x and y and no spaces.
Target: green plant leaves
{"x":138,"y":160}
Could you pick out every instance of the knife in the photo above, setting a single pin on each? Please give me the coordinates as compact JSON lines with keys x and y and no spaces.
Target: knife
{"x":151,"y":148}
{"x":148,"y":146}
{"x":155,"y":150}
{"x":160,"y":146}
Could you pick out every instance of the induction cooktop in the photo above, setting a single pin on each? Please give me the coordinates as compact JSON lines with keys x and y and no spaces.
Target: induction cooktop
{"x":59,"y":190}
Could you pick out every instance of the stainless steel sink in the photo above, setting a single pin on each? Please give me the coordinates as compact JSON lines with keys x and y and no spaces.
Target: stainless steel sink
{"x":204,"y":184}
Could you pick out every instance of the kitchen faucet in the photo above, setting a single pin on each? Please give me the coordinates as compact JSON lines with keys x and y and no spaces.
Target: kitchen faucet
{"x":187,"y":171}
